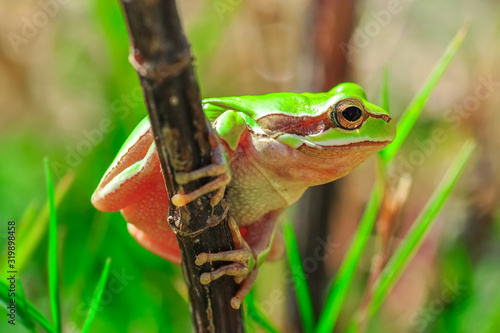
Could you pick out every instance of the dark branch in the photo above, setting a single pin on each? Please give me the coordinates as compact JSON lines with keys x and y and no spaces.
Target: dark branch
{"x":161,"y":56}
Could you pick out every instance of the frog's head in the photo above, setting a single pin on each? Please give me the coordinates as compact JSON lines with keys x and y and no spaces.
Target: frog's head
{"x":337,"y":119}
{"x":339,"y":125}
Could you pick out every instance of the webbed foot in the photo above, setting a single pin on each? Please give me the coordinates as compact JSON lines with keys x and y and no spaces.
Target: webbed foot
{"x":242,"y":266}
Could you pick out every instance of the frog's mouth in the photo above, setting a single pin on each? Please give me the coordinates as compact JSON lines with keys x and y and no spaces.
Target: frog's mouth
{"x":365,"y":147}
{"x":333,"y":144}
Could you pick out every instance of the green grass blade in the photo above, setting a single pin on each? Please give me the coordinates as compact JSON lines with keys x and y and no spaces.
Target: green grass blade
{"x":53,"y":266}
{"x":21,"y":305}
{"x":96,"y":299}
{"x":345,"y":275}
{"x":28,"y":216}
{"x":28,"y":319}
{"x":257,"y":314}
{"x":409,"y":246}
{"x":415,"y":107}
{"x":299,"y":278}
{"x":32,"y":230}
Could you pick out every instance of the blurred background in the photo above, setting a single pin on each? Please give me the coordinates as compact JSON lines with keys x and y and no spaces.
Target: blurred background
{"x":65,"y":77}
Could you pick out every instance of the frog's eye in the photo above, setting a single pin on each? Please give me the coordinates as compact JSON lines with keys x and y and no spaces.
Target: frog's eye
{"x":349,"y":113}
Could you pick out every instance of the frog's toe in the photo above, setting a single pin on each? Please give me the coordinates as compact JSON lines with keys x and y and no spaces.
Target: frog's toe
{"x":241,"y":275}
{"x":218,"y":169}
{"x":236,"y":270}
{"x":218,"y":184}
{"x":245,"y":287}
{"x":242,"y":256}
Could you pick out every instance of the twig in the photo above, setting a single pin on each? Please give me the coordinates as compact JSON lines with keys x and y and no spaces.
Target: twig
{"x":161,"y":56}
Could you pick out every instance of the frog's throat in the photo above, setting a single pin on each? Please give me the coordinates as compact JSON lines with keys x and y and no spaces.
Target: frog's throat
{"x":272,"y":179}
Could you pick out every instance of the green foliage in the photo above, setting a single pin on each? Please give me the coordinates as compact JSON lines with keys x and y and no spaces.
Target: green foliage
{"x":393,"y":270}
{"x":255,"y":314}
{"x":27,"y":318}
{"x":414,"y":109}
{"x":32,"y":226}
{"x":94,"y":304}
{"x":90,"y":80}
{"x":299,"y":278}
{"x":53,"y":262}
{"x":25,"y":310}
{"x":414,"y":238}
{"x":345,"y":275}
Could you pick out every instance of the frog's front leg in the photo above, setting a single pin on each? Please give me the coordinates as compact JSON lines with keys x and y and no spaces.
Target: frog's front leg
{"x":250,"y":252}
{"x":229,"y":126}
{"x":219,"y":168}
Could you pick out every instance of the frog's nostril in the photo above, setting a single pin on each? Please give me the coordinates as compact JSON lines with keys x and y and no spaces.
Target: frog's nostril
{"x":386,"y":118}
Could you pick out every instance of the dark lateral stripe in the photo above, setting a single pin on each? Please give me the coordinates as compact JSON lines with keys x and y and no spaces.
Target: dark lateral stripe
{"x":384,"y":117}
{"x":274,"y":123}
{"x":304,"y":125}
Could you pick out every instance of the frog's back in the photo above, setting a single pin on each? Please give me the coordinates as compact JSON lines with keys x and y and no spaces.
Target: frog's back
{"x":261,"y":105}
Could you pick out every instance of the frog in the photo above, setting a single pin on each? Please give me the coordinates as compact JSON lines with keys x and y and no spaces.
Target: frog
{"x":274,"y":147}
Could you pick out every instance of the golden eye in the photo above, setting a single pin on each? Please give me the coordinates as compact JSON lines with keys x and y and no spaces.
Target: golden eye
{"x":349,"y":113}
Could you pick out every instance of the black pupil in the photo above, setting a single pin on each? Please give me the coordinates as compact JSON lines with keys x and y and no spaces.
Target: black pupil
{"x":352,"y":113}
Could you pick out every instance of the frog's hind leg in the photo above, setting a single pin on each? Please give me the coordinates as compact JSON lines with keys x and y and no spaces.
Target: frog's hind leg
{"x":167,"y":248}
{"x":249,"y":254}
{"x":147,"y":218}
{"x":133,"y":168}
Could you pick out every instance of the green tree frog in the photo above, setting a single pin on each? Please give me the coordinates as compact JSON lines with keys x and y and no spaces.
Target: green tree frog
{"x":277,"y":145}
